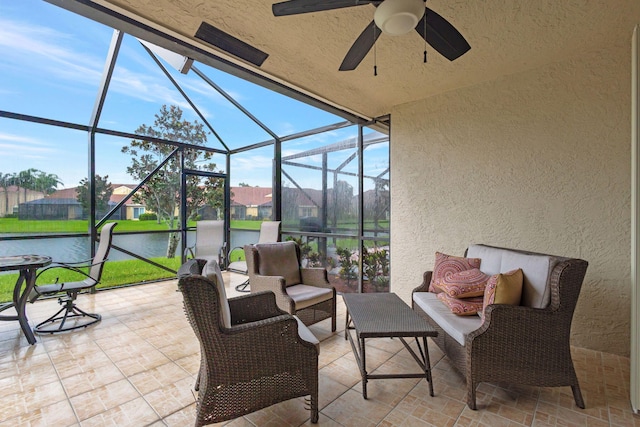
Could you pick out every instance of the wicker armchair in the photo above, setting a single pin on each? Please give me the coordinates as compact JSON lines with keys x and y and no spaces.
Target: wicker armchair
{"x":260,"y":358}
{"x":518,"y":344}
{"x":305,"y":292}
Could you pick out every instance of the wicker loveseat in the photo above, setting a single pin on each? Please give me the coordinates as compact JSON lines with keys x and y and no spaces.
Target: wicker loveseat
{"x":253,"y":354}
{"x":519,"y":344}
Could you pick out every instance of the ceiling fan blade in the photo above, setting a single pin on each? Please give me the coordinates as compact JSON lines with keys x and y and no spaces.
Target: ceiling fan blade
{"x":443,"y":36}
{"x":295,"y":7}
{"x":360,"y":47}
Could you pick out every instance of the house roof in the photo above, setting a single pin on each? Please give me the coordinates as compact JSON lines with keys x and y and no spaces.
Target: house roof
{"x":305,"y":51}
{"x":250,"y":196}
{"x":71,"y":194}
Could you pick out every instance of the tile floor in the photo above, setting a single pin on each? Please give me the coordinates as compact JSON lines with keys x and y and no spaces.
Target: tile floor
{"x":137,"y":368}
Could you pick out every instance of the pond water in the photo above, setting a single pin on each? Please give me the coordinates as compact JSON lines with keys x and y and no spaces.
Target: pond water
{"x":74,"y":249}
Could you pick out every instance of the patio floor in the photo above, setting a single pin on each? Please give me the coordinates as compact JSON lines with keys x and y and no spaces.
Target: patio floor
{"x":137,"y":367}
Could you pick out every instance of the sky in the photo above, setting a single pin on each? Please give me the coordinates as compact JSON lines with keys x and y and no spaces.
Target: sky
{"x":51,"y":66}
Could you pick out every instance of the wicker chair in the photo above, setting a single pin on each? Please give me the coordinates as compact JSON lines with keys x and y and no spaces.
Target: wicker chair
{"x":253,"y":354}
{"x":518,"y":344}
{"x":305,"y":292}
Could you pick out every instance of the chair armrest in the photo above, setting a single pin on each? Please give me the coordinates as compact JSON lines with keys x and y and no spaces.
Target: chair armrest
{"x":248,"y":344}
{"x":253,"y":307}
{"x":426,"y":280}
{"x":189,"y":250}
{"x":275,"y":284}
{"x":315,"y":276}
{"x":534,"y":337}
{"x":73,"y":266}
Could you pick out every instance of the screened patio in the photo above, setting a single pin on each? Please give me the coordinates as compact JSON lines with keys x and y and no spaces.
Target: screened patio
{"x":531,"y":137}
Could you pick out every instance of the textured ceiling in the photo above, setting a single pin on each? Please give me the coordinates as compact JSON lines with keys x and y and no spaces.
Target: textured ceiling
{"x":305,"y":51}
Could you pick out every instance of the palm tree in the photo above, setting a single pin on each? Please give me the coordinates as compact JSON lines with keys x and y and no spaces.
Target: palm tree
{"x":5,"y":182}
{"x":47,"y":182}
{"x":25,"y":179}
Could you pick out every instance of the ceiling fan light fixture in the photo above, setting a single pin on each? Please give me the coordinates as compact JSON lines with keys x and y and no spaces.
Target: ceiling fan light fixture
{"x":397,"y":17}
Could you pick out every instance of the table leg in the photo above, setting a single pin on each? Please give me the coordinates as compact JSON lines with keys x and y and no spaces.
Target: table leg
{"x":427,"y":364}
{"x":346,"y":325}
{"x":363,"y":368}
{"x":20,"y":301}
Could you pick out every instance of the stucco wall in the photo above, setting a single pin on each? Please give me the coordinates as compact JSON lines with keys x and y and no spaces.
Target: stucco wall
{"x":538,"y":161}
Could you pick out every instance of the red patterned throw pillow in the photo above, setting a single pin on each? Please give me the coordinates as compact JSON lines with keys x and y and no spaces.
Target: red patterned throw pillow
{"x":462,"y":306}
{"x":464,"y":284}
{"x":449,"y":264}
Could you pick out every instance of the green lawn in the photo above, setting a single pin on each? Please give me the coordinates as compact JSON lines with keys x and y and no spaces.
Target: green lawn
{"x":115,"y":273}
{"x":14,"y":225}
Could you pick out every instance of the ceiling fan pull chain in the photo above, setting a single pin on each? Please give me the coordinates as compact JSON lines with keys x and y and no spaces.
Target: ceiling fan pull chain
{"x":425,"y":36}
{"x":375,"y":53}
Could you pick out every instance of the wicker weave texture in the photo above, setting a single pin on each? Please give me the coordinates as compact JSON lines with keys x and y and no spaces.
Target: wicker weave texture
{"x":520,"y":345}
{"x":276,"y":284}
{"x":256,"y":363}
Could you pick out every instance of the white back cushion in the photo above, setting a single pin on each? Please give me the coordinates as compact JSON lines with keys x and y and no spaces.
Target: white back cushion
{"x":535,"y":268}
{"x":211,"y":271}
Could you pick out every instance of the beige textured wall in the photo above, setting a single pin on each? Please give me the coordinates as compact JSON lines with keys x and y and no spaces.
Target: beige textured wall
{"x":539,"y":161}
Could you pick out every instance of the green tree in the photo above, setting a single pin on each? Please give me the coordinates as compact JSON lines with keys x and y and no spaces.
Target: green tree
{"x":103,"y":191}
{"x":26,"y":180}
{"x":6,"y":179}
{"x":161,"y":193}
{"x":343,"y":199}
{"x":46,"y":182}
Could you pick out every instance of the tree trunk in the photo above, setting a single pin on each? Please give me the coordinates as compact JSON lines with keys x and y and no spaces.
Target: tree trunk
{"x":173,"y":244}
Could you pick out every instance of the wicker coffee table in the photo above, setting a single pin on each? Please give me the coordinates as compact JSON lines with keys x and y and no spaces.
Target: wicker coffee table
{"x":385,"y":315}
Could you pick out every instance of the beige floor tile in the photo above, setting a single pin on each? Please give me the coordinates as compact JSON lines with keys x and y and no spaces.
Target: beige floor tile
{"x":91,"y":379}
{"x":290,"y":413}
{"x":138,"y":367}
{"x":184,"y":417}
{"x":344,"y":370}
{"x":31,"y":399}
{"x":130,"y":414}
{"x":172,"y":398}
{"x":350,"y":409}
{"x":94,"y":402}
{"x":59,"y":414}
{"x":328,"y":389}
{"x":158,"y":377}
{"x":140,"y":362}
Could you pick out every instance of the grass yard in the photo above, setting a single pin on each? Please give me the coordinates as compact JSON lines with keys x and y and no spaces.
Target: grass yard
{"x":14,"y":225}
{"x":115,"y":273}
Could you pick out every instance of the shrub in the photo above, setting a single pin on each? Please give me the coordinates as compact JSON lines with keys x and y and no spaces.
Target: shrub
{"x":147,"y":217}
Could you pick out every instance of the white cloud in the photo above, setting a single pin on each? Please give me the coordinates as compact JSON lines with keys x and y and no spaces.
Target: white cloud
{"x":29,"y":47}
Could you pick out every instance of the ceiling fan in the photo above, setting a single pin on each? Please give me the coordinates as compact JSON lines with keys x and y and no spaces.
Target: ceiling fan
{"x":393,"y":17}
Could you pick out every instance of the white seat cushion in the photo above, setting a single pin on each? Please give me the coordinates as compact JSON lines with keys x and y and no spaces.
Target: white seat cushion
{"x":305,"y":296}
{"x":457,"y":327}
{"x":238,"y":267}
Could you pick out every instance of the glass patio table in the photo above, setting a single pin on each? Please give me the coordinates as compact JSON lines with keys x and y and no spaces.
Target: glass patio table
{"x":27,"y":265}
{"x":385,"y":315}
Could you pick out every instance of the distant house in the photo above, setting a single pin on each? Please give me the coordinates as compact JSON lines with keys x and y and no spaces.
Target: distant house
{"x":251,"y":203}
{"x":12,"y":195}
{"x":64,"y":205}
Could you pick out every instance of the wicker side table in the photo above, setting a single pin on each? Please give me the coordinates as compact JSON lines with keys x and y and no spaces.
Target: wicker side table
{"x":385,"y":315}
